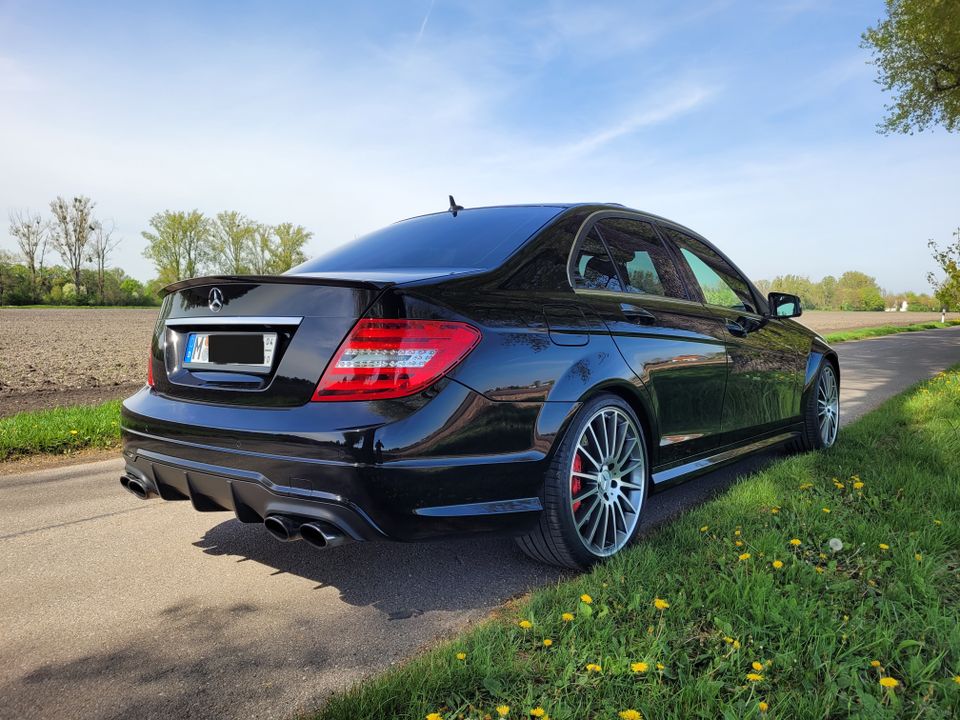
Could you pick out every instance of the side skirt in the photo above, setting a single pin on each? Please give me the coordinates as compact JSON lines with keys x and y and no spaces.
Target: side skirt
{"x":687,"y":470}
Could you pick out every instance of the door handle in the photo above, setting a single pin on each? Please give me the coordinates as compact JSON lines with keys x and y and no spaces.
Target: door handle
{"x":635,"y":313}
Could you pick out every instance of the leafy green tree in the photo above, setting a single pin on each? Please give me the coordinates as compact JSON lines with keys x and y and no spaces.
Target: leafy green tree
{"x":947,"y":290}
{"x":180,"y":245}
{"x":858,"y":291}
{"x":287,"y":251}
{"x":916,"y":49}
{"x":261,"y":250}
{"x":233,"y":239}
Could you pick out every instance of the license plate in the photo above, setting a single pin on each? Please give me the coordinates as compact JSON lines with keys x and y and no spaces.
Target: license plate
{"x":230,"y":351}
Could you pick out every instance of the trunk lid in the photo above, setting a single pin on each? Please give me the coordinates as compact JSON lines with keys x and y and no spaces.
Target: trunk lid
{"x":305,"y":317}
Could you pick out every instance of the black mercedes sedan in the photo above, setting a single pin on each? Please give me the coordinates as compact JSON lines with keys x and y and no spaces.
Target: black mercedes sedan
{"x":537,"y":370}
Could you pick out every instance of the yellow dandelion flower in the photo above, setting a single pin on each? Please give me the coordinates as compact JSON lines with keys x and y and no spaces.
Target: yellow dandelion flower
{"x":826,"y":510}
{"x":806,"y":485}
{"x":567,"y":617}
{"x":434,"y":716}
{"x":736,"y":644}
{"x":538,"y":712}
{"x":503,"y":710}
{"x":660,"y":604}
{"x":795,"y":542}
{"x":630,"y":715}
{"x":461,"y":656}
{"x":819,"y":570}
{"x":727,"y":639}
{"x":73,"y":432}
{"x":704,"y":528}
{"x":592,"y":667}
{"x":777,"y":564}
{"x":660,"y":667}
{"x":738,"y":543}
{"x":547,"y":642}
{"x":838,"y":485}
{"x":639,"y":667}
{"x":858,"y":485}
{"x":586,"y":599}
{"x":875,"y":663}
{"x":737,"y":533}
{"x":525,"y":624}
{"x":754,"y":677}
{"x":884,"y":546}
{"x":889,"y":682}
{"x":918,"y":557}
{"x":744,"y":556}
{"x":762,"y":706}
{"x":756,"y":666}
{"x":774,"y":510}
{"x":938,"y":522}
{"x":956,"y":679}
{"x":822,"y":556}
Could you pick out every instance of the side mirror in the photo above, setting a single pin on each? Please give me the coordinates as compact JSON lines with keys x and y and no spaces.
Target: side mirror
{"x":784,"y":305}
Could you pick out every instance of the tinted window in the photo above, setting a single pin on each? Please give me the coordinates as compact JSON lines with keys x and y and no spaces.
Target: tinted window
{"x":641,"y":258}
{"x":593,"y":269}
{"x":481,"y":238}
{"x":719,"y":282}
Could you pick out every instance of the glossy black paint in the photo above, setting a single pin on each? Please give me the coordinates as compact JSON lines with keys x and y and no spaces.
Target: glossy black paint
{"x":469,"y":453}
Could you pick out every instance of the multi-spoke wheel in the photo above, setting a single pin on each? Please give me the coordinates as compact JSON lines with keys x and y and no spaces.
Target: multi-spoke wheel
{"x":595,"y":488}
{"x":828,"y":405}
{"x":821,"y":410}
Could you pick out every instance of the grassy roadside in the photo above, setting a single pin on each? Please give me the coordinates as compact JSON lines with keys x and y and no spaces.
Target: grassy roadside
{"x":61,"y":430}
{"x":862,"y":333}
{"x":827,"y":585}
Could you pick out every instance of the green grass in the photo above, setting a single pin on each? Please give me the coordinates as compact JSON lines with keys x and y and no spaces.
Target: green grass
{"x":891,"y":594}
{"x":862,"y":333}
{"x":62,"y":430}
{"x":80,"y":307}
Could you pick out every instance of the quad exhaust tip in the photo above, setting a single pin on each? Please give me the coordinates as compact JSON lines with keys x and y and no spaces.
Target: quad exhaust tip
{"x":318,"y":534}
{"x":137,"y":486}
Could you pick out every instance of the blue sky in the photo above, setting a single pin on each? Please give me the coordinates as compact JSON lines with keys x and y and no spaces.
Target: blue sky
{"x":753,"y":123}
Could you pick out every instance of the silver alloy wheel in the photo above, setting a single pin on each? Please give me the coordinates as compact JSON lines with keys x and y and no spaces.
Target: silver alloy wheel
{"x":828,"y":405}
{"x":608,"y":476}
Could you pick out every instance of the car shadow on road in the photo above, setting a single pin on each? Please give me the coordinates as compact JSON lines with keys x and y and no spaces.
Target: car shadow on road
{"x":407,"y":579}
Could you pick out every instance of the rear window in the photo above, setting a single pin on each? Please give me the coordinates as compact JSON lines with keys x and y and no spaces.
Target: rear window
{"x":480,"y":238}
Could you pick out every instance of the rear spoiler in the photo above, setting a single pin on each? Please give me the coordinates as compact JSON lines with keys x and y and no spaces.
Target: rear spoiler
{"x":271,"y":279}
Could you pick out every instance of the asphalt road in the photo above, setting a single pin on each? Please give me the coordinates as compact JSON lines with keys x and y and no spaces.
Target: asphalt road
{"x":112,"y":607}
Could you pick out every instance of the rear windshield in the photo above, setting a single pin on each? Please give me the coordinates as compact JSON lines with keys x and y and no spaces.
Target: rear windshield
{"x":480,"y":238}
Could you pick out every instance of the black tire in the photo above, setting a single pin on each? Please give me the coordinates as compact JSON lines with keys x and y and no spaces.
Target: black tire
{"x":811,"y":437}
{"x":555,"y":540}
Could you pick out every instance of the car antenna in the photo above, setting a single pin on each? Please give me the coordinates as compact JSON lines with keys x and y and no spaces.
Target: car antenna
{"x":454,"y":208}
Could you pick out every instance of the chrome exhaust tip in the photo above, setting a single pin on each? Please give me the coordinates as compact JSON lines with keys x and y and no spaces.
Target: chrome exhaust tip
{"x":283,"y":528}
{"x":322,"y":535}
{"x":137,"y":486}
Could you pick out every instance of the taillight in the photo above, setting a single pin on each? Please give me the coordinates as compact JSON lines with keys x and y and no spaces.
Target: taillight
{"x":382,"y":359}
{"x":150,"y":368}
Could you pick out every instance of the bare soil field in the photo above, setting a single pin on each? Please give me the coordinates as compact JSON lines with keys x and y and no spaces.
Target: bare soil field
{"x":55,"y":358}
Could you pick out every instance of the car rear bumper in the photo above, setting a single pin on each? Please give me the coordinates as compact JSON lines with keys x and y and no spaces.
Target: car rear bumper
{"x":379,"y":482}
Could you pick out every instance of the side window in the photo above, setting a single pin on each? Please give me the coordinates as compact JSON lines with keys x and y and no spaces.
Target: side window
{"x":594,"y":270}
{"x":721,"y":284}
{"x":643,"y":261}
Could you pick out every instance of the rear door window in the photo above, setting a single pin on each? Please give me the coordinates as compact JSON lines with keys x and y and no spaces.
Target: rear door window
{"x":641,"y":258}
{"x":593,"y":269}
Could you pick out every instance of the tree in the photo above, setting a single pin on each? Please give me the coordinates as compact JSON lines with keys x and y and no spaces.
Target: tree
{"x":917,"y":53}
{"x":72,"y":225}
{"x":858,"y":291}
{"x":180,"y":244}
{"x":947,"y":290}
{"x":288,"y":249}
{"x":234,"y":235}
{"x":261,"y":250}
{"x":31,"y":234}
{"x":102,"y":243}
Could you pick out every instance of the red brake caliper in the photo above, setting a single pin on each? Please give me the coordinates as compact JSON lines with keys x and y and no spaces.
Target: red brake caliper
{"x":575,"y":481}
